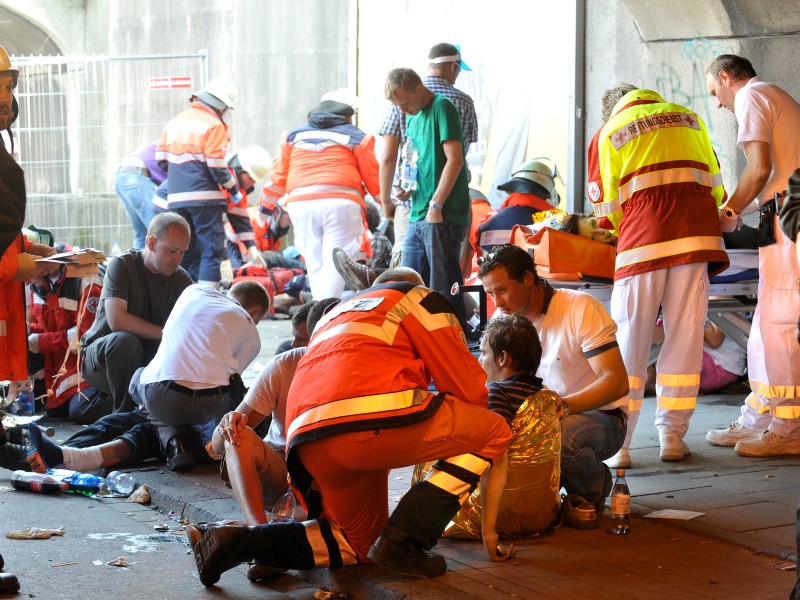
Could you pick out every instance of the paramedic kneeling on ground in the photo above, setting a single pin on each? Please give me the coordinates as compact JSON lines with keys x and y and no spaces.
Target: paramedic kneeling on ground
{"x":351,"y":420}
{"x":581,"y":362}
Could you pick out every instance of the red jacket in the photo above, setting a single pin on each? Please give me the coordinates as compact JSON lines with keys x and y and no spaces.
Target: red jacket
{"x":56,"y":310}
{"x":13,"y":327}
{"x":371,"y":360}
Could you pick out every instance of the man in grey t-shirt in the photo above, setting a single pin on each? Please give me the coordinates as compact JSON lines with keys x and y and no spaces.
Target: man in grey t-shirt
{"x":139,"y":290}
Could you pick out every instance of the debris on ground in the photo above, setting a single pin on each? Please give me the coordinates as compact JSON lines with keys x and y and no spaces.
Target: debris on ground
{"x":35,"y":533}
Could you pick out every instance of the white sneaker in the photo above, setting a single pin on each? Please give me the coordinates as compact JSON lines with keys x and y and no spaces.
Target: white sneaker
{"x":768,"y":444}
{"x":730,"y":435}
{"x":621,"y":460}
{"x":672,"y":446}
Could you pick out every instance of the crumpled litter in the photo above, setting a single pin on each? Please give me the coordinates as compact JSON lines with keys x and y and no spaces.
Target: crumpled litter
{"x":120,"y":561}
{"x":140,"y":495}
{"x":35,"y":533}
{"x":329,"y":595}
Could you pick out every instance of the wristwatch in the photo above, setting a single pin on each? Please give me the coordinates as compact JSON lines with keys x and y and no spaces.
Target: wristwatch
{"x":729,"y":212}
{"x":436,"y":205}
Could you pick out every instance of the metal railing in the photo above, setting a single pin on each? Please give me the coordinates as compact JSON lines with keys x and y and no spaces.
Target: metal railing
{"x":79,"y":117}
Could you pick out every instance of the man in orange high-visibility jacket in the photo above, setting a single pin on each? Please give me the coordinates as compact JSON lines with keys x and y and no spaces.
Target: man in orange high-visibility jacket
{"x":192,"y":151}
{"x":359,"y":406}
{"x":321,"y":175}
{"x":657,"y":185}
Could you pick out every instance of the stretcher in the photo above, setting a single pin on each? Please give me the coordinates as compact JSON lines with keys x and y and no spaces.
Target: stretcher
{"x":733,"y":295}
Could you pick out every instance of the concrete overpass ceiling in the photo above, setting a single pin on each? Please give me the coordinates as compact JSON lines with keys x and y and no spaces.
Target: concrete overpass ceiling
{"x":21,"y":36}
{"x":689,"y":19}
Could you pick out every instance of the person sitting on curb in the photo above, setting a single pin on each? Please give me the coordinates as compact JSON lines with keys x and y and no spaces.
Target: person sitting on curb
{"x":510,"y":355}
{"x":195,"y":377}
{"x":255,"y":468}
{"x":349,"y":423}
{"x":581,"y":362}
{"x":139,"y":290}
{"x":128,"y":438}
{"x":184,"y":390}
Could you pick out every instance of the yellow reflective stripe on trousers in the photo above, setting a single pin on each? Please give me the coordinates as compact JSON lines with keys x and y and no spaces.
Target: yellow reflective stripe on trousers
{"x":754,"y":402}
{"x":360,"y":405}
{"x":785,"y":412}
{"x":635,"y":383}
{"x":681,"y":380}
{"x":634,"y":405}
{"x":470,"y":462}
{"x":454,"y":485}
{"x":667,"y":403}
{"x":775,"y":391}
{"x":349,"y":556}
{"x":318,"y":546}
{"x":448,"y":483}
{"x":667,"y":249}
{"x":667,"y":176}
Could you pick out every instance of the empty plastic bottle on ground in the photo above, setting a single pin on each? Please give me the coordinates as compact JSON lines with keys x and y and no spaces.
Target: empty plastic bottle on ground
{"x":41,"y":483}
{"x":121,"y":483}
{"x":408,"y":167}
{"x":80,"y":483}
{"x":621,"y":505}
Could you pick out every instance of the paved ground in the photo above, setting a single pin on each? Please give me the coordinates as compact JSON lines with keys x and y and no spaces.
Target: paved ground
{"x":743,"y":546}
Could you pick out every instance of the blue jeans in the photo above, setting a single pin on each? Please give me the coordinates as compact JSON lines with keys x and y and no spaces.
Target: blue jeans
{"x":433,"y":250}
{"x":136,"y":193}
{"x":207,"y":246}
{"x":587,"y":439}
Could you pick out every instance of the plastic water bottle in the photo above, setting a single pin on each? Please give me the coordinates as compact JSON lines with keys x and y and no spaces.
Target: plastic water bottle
{"x":25,"y":399}
{"x":121,"y":483}
{"x":115,"y":249}
{"x":284,"y":508}
{"x":408,"y":167}
{"x":79,"y":483}
{"x":40,"y":483}
{"x":621,"y":505}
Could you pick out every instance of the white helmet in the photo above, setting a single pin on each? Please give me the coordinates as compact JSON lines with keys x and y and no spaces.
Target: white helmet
{"x":255,"y":161}
{"x":535,"y":172}
{"x":219,"y":93}
{"x":343,"y":96}
{"x":5,"y":65}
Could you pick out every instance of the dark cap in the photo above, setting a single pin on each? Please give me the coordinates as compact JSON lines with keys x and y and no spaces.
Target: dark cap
{"x":333,"y":107}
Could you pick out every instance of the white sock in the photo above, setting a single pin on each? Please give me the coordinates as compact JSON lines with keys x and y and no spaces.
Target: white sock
{"x":82,"y":459}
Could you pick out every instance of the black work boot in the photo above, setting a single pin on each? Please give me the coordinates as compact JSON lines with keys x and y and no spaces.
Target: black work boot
{"x":13,"y":457}
{"x":220,"y":548}
{"x":397,"y":551}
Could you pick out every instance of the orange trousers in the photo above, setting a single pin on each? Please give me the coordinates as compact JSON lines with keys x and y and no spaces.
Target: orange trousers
{"x":352,"y":469}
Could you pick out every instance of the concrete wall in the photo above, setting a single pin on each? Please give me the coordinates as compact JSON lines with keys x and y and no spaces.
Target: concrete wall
{"x":282,"y":54}
{"x":668,"y":46}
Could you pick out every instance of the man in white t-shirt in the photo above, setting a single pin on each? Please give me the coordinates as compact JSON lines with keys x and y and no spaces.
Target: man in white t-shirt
{"x":769,"y":121}
{"x":209,"y":340}
{"x":581,"y":361}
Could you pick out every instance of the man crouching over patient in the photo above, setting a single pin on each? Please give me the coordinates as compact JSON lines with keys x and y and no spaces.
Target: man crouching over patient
{"x":359,"y":405}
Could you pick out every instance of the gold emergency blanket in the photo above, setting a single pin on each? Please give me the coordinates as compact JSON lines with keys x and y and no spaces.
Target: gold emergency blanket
{"x":531,"y":501}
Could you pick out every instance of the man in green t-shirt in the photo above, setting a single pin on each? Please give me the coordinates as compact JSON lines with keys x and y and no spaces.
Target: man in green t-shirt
{"x":440,"y":204}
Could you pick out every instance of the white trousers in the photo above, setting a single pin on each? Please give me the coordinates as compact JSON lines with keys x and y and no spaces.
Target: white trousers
{"x":682,"y":294}
{"x":320,"y":226}
{"x":773,"y":354}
